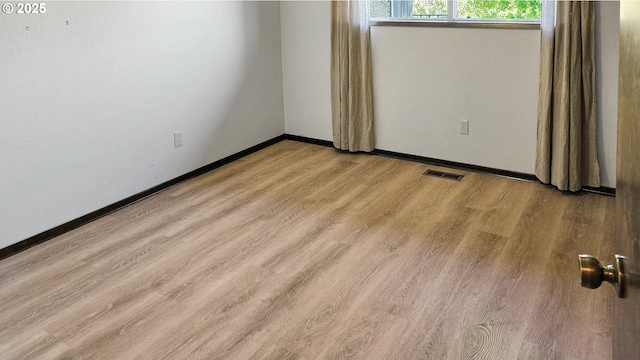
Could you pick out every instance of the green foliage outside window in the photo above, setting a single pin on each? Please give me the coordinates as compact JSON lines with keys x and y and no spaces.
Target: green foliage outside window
{"x":430,"y":8}
{"x":499,"y":9}
{"x":471,"y":9}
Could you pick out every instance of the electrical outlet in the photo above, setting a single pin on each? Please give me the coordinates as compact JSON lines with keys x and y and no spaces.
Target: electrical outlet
{"x":177,"y":139}
{"x":464,"y":127}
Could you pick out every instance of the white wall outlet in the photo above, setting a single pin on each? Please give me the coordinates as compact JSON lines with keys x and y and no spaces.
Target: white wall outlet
{"x":177,"y":139}
{"x":464,"y":127}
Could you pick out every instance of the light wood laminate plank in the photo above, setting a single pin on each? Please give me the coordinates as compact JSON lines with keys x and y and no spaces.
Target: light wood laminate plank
{"x":303,"y":252}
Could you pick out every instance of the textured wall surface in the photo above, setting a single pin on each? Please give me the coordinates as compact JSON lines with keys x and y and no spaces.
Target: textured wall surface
{"x":91,"y":93}
{"x":427,"y":79}
{"x":306,"y":64}
{"x":607,"y":49}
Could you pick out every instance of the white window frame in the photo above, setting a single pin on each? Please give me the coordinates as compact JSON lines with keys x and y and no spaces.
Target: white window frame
{"x":453,"y":20}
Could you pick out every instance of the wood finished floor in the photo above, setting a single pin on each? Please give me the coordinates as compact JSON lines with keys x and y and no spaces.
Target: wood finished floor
{"x":301,"y":252}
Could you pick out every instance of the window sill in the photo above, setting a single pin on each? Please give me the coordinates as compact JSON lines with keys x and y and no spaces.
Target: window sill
{"x":455,"y":24}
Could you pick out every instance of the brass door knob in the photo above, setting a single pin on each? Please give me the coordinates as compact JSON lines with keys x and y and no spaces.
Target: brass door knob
{"x":592,"y":274}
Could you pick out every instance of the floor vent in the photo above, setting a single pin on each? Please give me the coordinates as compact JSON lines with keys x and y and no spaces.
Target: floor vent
{"x":442,"y":174}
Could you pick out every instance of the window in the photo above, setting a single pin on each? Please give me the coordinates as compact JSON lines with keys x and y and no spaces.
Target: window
{"x":458,"y":10}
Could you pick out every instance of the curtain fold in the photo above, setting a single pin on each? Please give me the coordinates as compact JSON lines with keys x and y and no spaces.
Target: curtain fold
{"x":351,"y":90}
{"x":566,"y":152}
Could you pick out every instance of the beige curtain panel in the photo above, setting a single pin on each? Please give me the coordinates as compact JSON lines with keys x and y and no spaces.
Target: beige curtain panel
{"x":566,"y":154}
{"x":351,"y":95}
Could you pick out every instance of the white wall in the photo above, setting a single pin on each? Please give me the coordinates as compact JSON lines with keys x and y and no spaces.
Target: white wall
{"x":306,"y":63}
{"x":88,"y":109}
{"x":427,"y":79}
{"x":607,"y":47}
